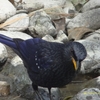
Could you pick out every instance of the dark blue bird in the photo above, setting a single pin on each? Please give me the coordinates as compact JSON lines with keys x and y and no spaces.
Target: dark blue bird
{"x":49,"y":64}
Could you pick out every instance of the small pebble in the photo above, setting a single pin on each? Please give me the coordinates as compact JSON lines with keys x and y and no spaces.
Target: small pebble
{"x":4,"y":88}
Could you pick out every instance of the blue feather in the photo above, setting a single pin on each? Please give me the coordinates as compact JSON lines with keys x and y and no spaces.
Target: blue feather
{"x":8,"y":41}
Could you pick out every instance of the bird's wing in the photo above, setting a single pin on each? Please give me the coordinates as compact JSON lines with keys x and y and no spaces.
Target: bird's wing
{"x":38,"y":54}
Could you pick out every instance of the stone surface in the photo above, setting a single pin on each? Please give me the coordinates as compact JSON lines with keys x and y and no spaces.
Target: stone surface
{"x":29,"y":3}
{"x":91,"y":63}
{"x":48,"y":38}
{"x":88,"y":94}
{"x":41,"y":25}
{"x":91,"y":4}
{"x":4,"y":88}
{"x":62,"y":37}
{"x":16,"y":61}
{"x":88,"y":19}
{"x":31,"y":6}
{"x":21,"y":35}
{"x":94,"y":36}
{"x":55,"y":12}
{"x":6,"y":10}
{"x":68,"y":6}
{"x":19,"y":22}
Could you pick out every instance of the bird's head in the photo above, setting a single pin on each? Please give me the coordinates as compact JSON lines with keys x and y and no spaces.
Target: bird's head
{"x":77,"y":52}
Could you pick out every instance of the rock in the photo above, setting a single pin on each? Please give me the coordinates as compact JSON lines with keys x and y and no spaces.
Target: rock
{"x":95,"y":82}
{"x":53,"y":3}
{"x":48,"y":38}
{"x":55,"y":13}
{"x":27,"y":5}
{"x":88,"y":19}
{"x":31,"y":6}
{"x":21,"y":35}
{"x":22,"y":11}
{"x":62,"y":37}
{"x":91,"y":63}
{"x":16,"y":71}
{"x":16,"y":61}
{"x":46,"y":3}
{"x":6,"y":10}
{"x":91,"y":4}
{"x":12,"y":97}
{"x":19,"y":22}
{"x":9,"y":81}
{"x":4,"y":88}
{"x":75,"y":2}
{"x":94,"y":36}
{"x":68,"y":6}
{"x":78,"y":84}
{"x":88,"y":94}
{"x":41,"y":25}
{"x":98,"y":31}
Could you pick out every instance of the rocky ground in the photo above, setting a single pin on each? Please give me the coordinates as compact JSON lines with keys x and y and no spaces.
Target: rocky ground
{"x":55,"y":21}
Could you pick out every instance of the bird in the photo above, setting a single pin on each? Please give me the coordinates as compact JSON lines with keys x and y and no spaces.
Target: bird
{"x":48,"y":64}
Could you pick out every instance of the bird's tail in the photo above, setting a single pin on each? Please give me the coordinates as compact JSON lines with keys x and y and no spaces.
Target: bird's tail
{"x":7,"y":41}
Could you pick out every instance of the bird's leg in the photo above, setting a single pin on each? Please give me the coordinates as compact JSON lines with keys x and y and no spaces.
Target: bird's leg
{"x":50,"y":93}
{"x":35,"y":87}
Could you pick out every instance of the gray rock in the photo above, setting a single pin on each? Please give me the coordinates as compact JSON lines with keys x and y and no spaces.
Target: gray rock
{"x":95,"y":82}
{"x":21,"y":35}
{"x":4,"y":88}
{"x":6,"y":10}
{"x":20,"y":22}
{"x":92,"y":62}
{"x":51,"y":39}
{"x":9,"y":80}
{"x":75,"y":2}
{"x":46,"y":3}
{"x":53,"y":3}
{"x":55,"y":13}
{"x":88,"y":94}
{"x":68,"y":6}
{"x":94,"y":36}
{"x":48,"y":38}
{"x":41,"y":25}
{"x":61,"y":36}
{"x":87,"y":19}
{"x":98,"y":31}
{"x":31,"y":6}
{"x":16,"y":61}
{"x":15,"y":70}
{"x":91,"y":4}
